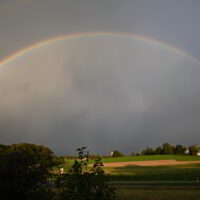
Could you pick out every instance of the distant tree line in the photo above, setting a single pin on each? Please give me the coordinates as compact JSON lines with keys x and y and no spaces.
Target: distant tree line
{"x":165,"y":149}
{"x":168,"y":149}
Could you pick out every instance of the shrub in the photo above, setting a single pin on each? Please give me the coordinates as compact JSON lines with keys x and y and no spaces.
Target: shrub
{"x":83,"y":184}
{"x":116,"y":154}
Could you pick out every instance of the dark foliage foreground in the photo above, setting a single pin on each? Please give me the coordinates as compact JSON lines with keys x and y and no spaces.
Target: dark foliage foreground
{"x":26,"y":174}
{"x":24,"y":171}
{"x":83,"y":184}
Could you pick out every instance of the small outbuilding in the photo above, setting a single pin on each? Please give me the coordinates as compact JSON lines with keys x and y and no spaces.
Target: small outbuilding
{"x":187,"y":152}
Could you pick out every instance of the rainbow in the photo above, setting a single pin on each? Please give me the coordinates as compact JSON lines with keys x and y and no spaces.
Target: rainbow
{"x":94,"y":34}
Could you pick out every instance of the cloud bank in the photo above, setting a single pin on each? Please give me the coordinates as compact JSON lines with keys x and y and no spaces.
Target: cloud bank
{"x":104,"y":92}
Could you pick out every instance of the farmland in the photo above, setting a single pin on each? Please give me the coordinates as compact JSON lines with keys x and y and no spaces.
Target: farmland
{"x":69,"y":162}
{"x":156,"y":173}
{"x":183,"y":172}
{"x":153,"y":182}
{"x":152,"y":157}
{"x":142,"y":177}
{"x":157,"y":193}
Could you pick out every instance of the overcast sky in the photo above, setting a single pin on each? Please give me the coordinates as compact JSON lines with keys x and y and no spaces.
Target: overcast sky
{"x":104,"y":91}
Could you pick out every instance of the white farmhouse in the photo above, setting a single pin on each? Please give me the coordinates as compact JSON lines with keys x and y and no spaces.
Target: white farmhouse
{"x":187,"y":152}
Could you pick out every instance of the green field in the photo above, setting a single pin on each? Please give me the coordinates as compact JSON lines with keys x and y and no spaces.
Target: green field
{"x":149,"y":173}
{"x":69,"y":162}
{"x":165,"y":173}
{"x":178,"y":182}
{"x":152,"y":157}
{"x":158,"y":194}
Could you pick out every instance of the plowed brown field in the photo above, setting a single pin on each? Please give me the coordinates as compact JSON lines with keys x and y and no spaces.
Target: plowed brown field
{"x":149,"y":163}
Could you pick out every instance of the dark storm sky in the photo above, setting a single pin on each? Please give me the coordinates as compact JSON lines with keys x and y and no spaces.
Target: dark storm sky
{"x":106,"y":92}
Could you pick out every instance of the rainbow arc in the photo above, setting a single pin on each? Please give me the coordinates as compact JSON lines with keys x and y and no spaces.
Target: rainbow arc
{"x":94,"y":34}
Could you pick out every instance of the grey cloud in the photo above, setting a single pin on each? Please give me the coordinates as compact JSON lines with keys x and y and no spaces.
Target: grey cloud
{"x":104,"y":92}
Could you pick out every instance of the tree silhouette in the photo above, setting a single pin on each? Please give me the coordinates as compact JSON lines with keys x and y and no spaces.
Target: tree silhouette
{"x":24,"y":172}
{"x":83,"y":184}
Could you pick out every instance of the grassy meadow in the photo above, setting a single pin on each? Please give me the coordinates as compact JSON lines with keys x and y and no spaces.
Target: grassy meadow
{"x":157,"y":194}
{"x":187,"y":172}
{"x":180,"y":182}
{"x":151,"y":157}
{"x":69,"y":162}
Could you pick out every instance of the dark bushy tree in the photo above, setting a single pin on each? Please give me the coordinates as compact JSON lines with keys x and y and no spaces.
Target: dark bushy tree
{"x":158,"y":151}
{"x":117,"y":154}
{"x":193,"y":150}
{"x":148,"y":151}
{"x":24,"y":172}
{"x":168,"y":149}
{"x":83,"y":184}
{"x":180,"y":149}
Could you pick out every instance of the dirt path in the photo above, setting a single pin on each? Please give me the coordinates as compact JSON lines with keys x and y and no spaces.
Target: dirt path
{"x":149,"y":163}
